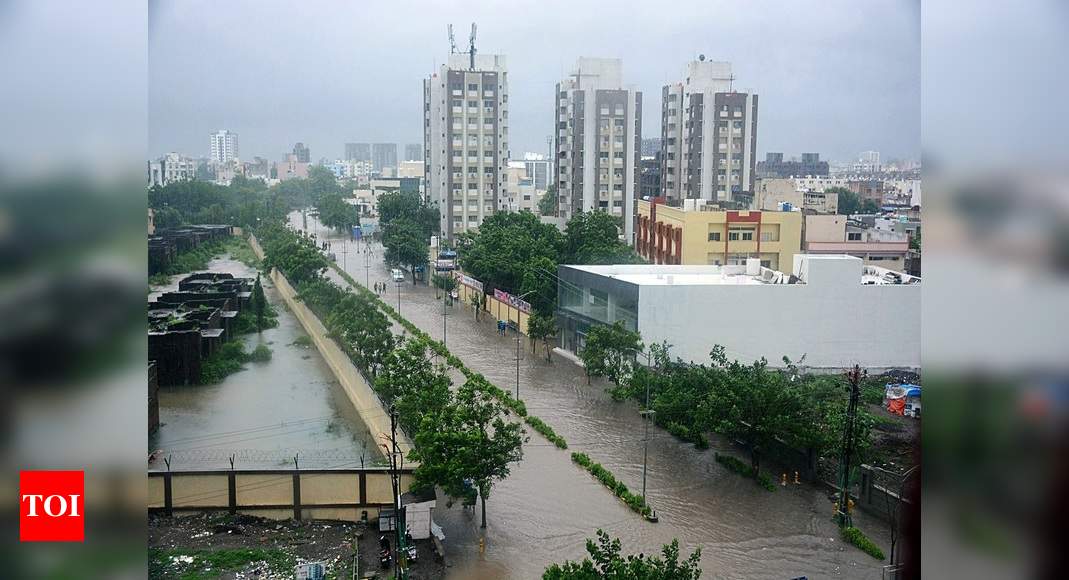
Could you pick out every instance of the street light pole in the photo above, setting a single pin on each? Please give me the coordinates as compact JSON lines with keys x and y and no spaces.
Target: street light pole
{"x":646,"y":427}
{"x":854,"y":376}
{"x":518,"y":342}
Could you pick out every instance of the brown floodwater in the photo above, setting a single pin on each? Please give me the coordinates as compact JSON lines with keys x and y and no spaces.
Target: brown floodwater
{"x":546,"y":509}
{"x":267,"y":413}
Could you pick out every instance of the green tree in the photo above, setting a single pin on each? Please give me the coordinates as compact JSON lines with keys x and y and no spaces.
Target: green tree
{"x":296,"y":256}
{"x":549,"y":204}
{"x":593,"y":237}
{"x":609,"y":351}
{"x":166,"y":217}
{"x":505,"y":246}
{"x":414,"y":386}
{"x":607,"y":562}
{"x":363,"y":331}
{"x":849,"y":202}
{"x":478,"y":303}
{"x":756,"y":405}
{"x":335,"y":212}
{"x":470,"y":439}
{"x":445,"y":283}
{"x":259,"y":303}
{"x":869,"y":207}
{"x":405,"y":244}
{"x":541,"y":327}
{"x":407,"y":206}
{"x":539,"y":284}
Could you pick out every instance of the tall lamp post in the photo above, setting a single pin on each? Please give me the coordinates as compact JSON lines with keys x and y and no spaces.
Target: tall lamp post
{"x":521,"y":297}
{"x":854,"y":376}
{"x":646,"y":414}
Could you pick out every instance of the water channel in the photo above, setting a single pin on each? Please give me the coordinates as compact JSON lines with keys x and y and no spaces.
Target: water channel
{"x":267,"y":413}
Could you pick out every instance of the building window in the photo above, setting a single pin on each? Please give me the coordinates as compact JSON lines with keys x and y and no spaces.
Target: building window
{"x":714,"y":236}
{"x":473,"y":87}
{"x":747,"y":236}
{"x":733,"y":236}
{"x":853,"y":236}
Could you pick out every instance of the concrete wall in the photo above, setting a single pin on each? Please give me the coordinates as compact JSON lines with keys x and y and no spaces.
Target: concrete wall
{"x":340,"y":494}
{"x":495,"y":308}
{"x":835,"y":323}
{"x":364,"y":399}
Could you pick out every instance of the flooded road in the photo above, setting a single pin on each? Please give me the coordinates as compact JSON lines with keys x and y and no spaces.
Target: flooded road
{"x":548,"y":507}
{"x":266,"y":413}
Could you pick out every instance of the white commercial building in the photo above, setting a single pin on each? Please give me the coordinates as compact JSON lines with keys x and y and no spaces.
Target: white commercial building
{"x":520,"y":192}
{"x":465,"y":110}
{"x":171,"y":168}
{"x":598,"y":132}
{"x":832,"y":309}
{"x":708,"y":135}
{"x":223,"y":146}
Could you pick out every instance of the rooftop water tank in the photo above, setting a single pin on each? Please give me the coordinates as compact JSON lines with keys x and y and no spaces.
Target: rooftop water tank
{"x":753,"y":266}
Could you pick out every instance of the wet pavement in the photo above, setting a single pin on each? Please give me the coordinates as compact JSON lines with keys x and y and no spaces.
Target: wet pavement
{"x":548,"y":507}
{"x":267,"y":413}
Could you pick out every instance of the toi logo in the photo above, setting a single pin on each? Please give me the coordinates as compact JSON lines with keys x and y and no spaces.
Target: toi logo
{"x":51,"y":506}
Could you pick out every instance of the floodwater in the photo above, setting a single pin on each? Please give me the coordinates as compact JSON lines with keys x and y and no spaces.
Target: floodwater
{"x":546,"y":509}
{"x":267,"y":413}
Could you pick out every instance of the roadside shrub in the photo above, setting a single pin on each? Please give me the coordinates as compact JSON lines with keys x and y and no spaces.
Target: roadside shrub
{"x":546,"y":431}
{"x":855,"y":537}
{"x":259,"y":354}
{"x":744,"y":469}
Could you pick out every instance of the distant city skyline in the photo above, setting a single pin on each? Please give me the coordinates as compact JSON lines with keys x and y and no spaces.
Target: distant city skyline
{"x":865,"y":95}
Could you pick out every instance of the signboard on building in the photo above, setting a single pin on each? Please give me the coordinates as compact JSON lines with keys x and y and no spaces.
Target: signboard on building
{"x":521,"y":305}
{"x":470,"y":282}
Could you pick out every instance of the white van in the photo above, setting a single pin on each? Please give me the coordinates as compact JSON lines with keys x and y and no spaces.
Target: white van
{"x":398,"y":275}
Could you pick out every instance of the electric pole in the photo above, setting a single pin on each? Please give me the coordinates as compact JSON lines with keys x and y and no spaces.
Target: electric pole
{"x":854,"y":376}
{"x":517,"y":365}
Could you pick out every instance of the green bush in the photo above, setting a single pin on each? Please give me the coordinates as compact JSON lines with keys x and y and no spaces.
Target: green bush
{"x":260,"y":354}
{"x":855,"y":537}
{"x":546,"y":431}
{"x":745,"y":470}
{"x":223,"y":362}
{"x":607,"y":479}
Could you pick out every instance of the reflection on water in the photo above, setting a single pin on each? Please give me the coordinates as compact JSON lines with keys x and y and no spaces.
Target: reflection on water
{"x":547,"y":508}
{"x":269,"y":412}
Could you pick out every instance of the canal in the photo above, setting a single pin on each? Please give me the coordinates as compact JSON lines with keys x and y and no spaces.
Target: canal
{"x":266,"y":414}
{"x":546,"y":509}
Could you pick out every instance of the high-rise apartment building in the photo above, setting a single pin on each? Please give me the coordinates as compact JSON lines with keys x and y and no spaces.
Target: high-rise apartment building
{"x":775,"y":166}
{"x":358,"y":152}
{"x":224,"y":146}
{"x":465,"y":112}
{"x":304,"y":155}
{"x":709,"y":135}
{"x":599,"y":127}
{"x":384,"y":155}
{"x":413,"y":152}
{"x":539,"y":169}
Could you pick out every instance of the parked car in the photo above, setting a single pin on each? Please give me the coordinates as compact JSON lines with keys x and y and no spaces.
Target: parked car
{"x":398,"y":275}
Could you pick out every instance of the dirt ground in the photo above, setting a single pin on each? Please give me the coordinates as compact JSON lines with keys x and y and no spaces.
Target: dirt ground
{"x":238,"y":546}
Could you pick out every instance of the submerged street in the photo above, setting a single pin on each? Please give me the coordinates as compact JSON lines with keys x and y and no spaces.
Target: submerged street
{"x":546,"y":509}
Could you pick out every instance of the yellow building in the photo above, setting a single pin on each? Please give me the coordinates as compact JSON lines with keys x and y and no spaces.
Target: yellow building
{"x":700,"y":234}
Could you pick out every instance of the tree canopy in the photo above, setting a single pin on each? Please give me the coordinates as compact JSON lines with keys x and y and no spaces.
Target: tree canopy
{"x":549,"y":204}
{"x":469,"y":440}
{"x":593,"y":238}
{"x":609,"y":351}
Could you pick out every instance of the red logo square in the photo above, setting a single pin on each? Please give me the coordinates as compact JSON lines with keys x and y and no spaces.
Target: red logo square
{"x":51,"y":506}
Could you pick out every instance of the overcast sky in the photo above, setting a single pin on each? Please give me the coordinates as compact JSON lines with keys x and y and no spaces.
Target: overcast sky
{"x":834,"y":76}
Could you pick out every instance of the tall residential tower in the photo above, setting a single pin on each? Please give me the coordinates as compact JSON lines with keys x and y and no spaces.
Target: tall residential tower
{"x":599,"y":126}
{"x":465,"y":125}
{"x":709,"y":136}
{"x":224,"y":146}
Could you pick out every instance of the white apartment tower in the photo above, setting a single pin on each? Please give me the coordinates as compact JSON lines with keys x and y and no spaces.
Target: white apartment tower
{"x":465,"y":139}
{"x":224,"y":146}
{"x":598,"y":131}
{"x":708,"y":136}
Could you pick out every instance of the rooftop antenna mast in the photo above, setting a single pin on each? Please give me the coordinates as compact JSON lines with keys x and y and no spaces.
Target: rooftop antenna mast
{"x":452,"y":41}
{"x":471,"y":46}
